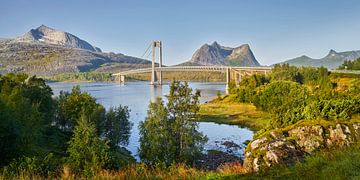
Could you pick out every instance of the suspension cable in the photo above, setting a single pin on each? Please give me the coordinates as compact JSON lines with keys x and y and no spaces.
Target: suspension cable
{"x":146,"y":50}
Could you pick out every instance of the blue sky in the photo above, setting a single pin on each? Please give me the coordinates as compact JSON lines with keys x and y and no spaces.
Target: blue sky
{"x":275,"y":29}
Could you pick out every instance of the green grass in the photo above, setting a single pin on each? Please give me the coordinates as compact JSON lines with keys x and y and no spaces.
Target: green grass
{"x":343,"y":163}
{"x":234,"y":113}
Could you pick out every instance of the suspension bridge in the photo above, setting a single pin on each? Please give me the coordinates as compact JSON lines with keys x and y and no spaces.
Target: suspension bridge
{"x":232,"y":73}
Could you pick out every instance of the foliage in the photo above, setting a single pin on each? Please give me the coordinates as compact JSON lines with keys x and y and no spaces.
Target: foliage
{"x":180,"y":76}
{"x":48,"y":166}
{"x":169,"y":133}
{"x":351,"y":65}
{"x":117,"y":126}
{"x":292,"y":93}
{"x":35,"y":128}
{"x":87,"y":152}
{"x":285,"y":100}
{"x":72,"y":105}
{"x":26,"y":109}
{"x":83,"y":76}
{"x":247,"y":89}
{"x":285,"y":72}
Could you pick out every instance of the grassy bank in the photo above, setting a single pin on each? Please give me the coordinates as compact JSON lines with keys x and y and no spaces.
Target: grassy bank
{"x":234,"y":113}
{"x":342,"y":163}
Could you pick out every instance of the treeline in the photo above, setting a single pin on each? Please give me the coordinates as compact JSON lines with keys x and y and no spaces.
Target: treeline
{"x":291,"y":94}
{"x":41,"y":134}
{"x":83,"y":76}
{"x":184,"y":76}
{"x":350,"y":65}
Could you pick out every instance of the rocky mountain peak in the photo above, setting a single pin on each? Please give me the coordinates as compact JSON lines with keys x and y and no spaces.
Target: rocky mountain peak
{"x":216,"y":45}
{"x":215,"y":54}
{"x":44,"y":28}
{"x":332,"y":52}
{"x":47,"y":35}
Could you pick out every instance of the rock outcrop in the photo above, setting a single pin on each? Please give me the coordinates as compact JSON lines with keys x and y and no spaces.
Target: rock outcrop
{"x":287,"y":146}
{"x":215,"y":54}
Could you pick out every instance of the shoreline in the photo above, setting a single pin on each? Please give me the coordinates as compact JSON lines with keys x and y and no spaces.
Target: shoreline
{"x":244,"y":115}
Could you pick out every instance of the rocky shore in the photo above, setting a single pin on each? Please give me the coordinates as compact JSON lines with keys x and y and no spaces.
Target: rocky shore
{"x":288,"y":145}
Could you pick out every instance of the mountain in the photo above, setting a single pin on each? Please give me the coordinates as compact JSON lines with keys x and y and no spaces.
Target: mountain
{"x":52,"y":36}
{"x":215,"y":54}
{"x":331,"y":61}
{"x":45,"y":51}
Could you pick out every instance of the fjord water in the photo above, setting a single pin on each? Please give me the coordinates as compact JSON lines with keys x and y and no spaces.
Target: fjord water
{"x":137,"y":95}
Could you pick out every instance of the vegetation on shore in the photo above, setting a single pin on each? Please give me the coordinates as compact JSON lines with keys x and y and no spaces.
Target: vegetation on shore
{"x":41,"y":134}
{"x":181,"y":76}
{"x":75,"y":137}
{"x":82,"y":77}
{"x":234,"y":113}
{"x":351,"y":65}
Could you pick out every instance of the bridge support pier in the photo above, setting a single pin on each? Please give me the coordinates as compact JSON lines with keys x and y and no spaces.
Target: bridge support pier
{"x":156,"y":77}
{"x":121,"y":79}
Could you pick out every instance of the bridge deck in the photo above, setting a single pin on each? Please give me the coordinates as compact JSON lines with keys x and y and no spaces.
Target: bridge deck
{"x":191,"y":68}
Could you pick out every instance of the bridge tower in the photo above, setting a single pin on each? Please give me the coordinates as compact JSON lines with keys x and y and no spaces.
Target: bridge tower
{"x":156,"y":77}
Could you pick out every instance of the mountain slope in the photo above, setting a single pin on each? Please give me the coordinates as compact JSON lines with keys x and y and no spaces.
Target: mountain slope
{"x":215,"y":54}
{"x":331,"y":61}
{"x":51,"y":36}
{"x":42,"y":51}
{"x":242,"y":56}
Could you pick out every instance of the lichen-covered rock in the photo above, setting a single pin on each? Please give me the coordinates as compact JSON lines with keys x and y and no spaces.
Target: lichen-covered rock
{"x":340,"y":135}
{"x":282,"y":151}
{"x":258,"y":142}
{"x":309,"y":138}
{"x":290,"y":145}
{"x":356,"y":127}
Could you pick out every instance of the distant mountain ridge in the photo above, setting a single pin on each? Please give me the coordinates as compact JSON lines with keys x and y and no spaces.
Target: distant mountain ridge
{"x":52,"y":36}
{"x":215,"y":54}
{"x":45,"y":51}
{"x":331,"y":61}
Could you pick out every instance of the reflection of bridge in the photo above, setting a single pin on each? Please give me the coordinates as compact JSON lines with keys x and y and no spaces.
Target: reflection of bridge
{"x":232,"y":73}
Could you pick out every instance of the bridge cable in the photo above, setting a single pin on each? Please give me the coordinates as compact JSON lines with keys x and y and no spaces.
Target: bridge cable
{"x":146,"y":50}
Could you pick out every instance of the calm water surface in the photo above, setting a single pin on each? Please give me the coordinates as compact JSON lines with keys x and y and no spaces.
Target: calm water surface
{"x":137,"y":96}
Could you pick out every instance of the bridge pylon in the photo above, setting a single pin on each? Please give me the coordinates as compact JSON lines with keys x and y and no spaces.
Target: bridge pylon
{"x":156,"y":76}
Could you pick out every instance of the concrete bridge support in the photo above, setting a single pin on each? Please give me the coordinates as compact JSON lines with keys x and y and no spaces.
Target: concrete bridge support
{"x":121,"y":79}
{"x":156,"y":76}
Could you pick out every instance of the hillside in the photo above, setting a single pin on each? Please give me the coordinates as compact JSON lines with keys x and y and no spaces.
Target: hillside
{"x":331,"y":61}
{"x":45,"y":51}
{"x":215,"y":54}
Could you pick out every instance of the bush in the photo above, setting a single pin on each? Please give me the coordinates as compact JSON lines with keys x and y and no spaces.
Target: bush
{"x":284,"y":99}
{"x":47,"y":166}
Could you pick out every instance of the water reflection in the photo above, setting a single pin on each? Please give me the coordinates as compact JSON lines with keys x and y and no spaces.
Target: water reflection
{"x":155,"y":92}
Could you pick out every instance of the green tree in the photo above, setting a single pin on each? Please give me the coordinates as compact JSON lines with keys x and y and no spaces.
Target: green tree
{"x":118,"y":126}
{"x":87,"y":152}
{"x":70,"y":107}
{"x":351,"y":65}
{"x":26,"y":110}
{"x":169,"y":133}
{"x":285,"y":72}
